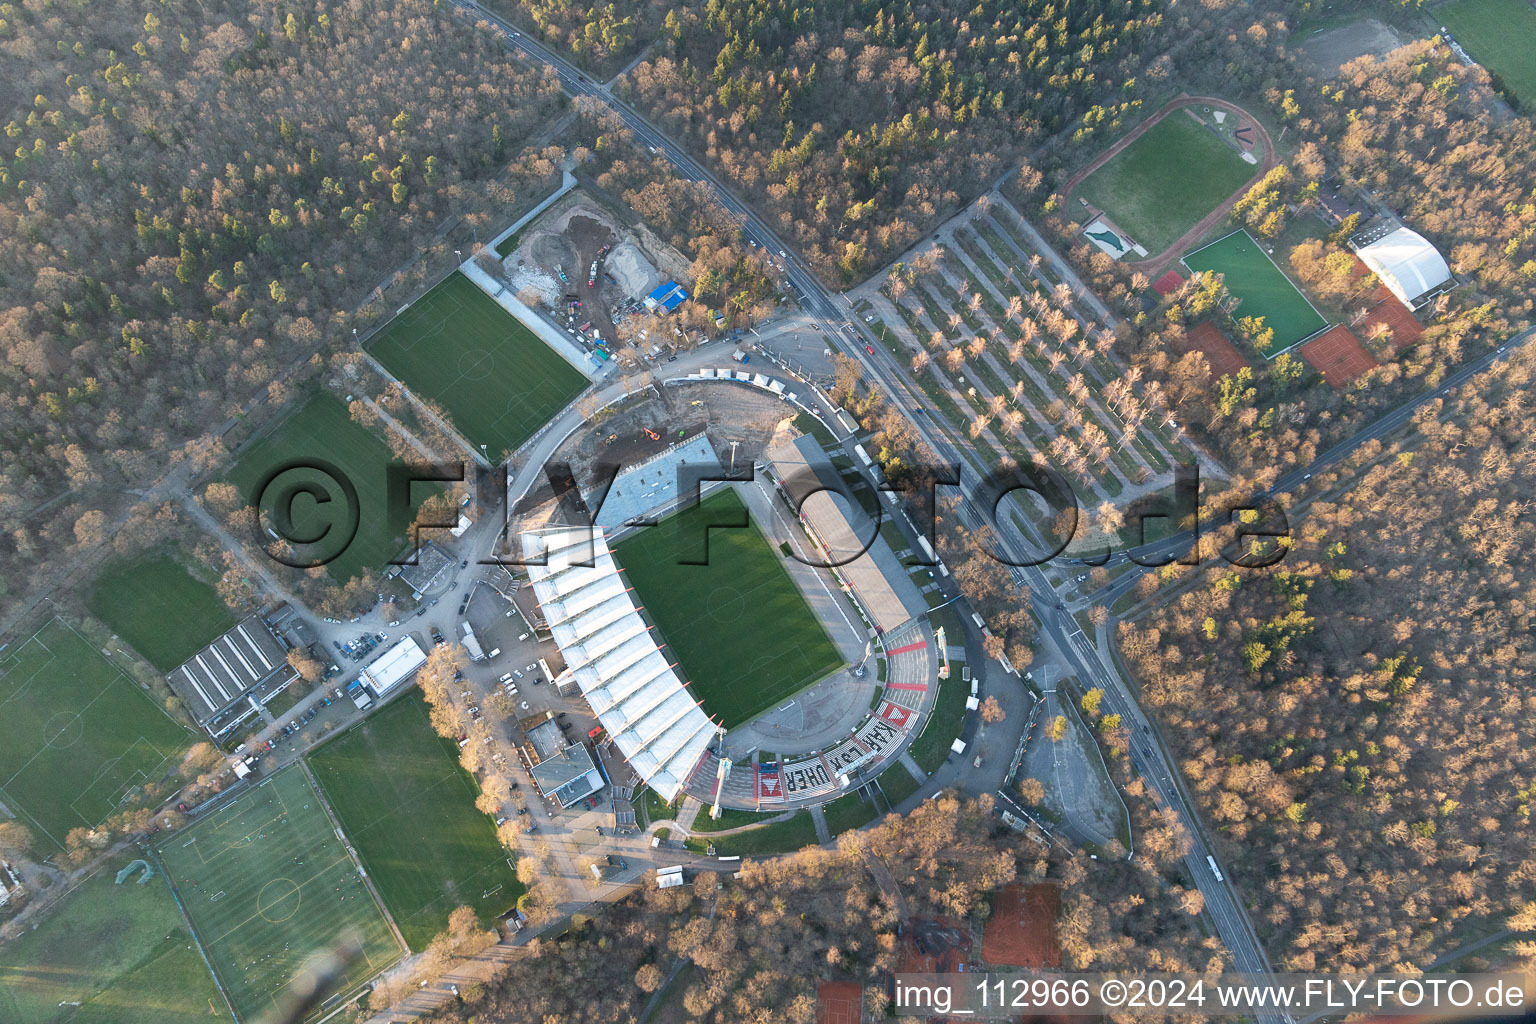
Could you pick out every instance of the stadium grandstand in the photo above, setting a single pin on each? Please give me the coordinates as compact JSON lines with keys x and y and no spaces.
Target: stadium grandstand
{"x":636,"y":694}
{"x":218,"y":684}
{"x":642,"y":494}
{"x":842,"y":532}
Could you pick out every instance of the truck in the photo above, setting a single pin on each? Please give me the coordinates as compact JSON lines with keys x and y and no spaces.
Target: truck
{"x":1214,"y":869}
{"x":360,"y":696}
{"x":592,"y":275}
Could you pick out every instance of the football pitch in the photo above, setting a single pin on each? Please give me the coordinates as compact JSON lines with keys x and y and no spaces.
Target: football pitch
{"x":743,"y":633}
{"x":323,"y":429}
{"x":108,"y":954}
{"x":267,"y":883}
{"x":458,"y":348}
{"x":1160,"y":186}
{"x":77,"y":736}
{"x":1265,"y":292}
{"x":409,"y":809}
{"x":1500,"y":35}
{"x":155,"y":604}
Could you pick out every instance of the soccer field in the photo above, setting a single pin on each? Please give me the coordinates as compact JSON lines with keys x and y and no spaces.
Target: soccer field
{"x":457,"y":347}
{"x":108,"y":954}
{"x":155,"y":604}
{"x":1265,"y":292}
{"x":1501,"y":36}
{"x":323,"y":429}
{"x":267,"y":884}
{"x":77,"y":736}
{"x":743,"y":633}
{"x":409,"y":809}
{"x":1160,"y":186}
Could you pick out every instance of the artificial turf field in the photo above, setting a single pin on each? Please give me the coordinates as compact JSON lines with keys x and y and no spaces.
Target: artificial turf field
{"x":77,"y":736}
{"x":409,"y":809}
{"x":1265,"y":292}
{"x":1500,"y":35}
{"x":1160,"y":186}
{"x":323,"y":429}
{"x":743,"y":633}
{"x":267,"y":883}
{"x":121,"y":952}
{"x":457,"y":347}
{"x":155,"y":604}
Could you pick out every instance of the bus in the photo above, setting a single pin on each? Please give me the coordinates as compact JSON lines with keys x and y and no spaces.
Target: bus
{"x":1214,"y":869}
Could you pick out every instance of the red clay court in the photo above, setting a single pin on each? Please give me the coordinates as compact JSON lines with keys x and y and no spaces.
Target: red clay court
{"x":1168,"y":283}
{"x":839,"y":1002}
{"x":1339,"y":357}
{"x":1022,"y":929}
{"x":1219,"y":352}
{"x":1389,"y":309}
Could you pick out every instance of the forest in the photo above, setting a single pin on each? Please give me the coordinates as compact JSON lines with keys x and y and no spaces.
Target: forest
{"x":1356,"y":722}
{"x":195,"y":199}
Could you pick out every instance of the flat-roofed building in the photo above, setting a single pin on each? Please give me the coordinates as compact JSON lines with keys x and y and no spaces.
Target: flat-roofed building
{"x":216,"y":683}
{"x":394,"y":666}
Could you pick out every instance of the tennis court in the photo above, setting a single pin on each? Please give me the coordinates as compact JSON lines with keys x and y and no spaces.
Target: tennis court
{"x":1339,"y":357}
{"x":1265,"y":292}
{"x":1221,"y":355}
{"x":78,"y":737}
{"x":267,"y":885}
{"x":497,"y":380}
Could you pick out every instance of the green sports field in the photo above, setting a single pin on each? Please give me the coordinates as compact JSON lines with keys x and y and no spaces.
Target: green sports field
{"x":457,"y":347}
{"x":267,"y":884}
{"x":77,"y":736}
{"x":155,"y":604}
{"x":409,"y":809}
{"x":1265,"y":292}
{"x":323,"y":429}
{"x":120,"y":951}
{"x":1160,"y":186}
{"x":1500,"y":35}
{"x":743,"y":633}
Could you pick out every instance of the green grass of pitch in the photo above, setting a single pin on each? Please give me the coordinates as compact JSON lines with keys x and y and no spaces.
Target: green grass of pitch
{"x":1264,"y":290}
{"x":1160,"y":186}
{"x":743,"y":633}
{"x":77,"y":735}
{"x":323,"y":429}
{"x":121,"y":952}
{"x":409,"y":809}
{"x":1501,"y":36}
{"x":267,"y":884}
{"x":497,"y":380}
{"x":157,"y":605}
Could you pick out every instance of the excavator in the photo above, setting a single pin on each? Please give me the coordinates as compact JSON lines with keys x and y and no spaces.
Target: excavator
{"x":651,"y":434}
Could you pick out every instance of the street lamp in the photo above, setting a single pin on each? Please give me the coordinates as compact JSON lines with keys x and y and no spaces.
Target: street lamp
{"x":459,"y":254}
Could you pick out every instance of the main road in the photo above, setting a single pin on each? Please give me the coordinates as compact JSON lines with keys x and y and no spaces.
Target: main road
{"x":850,"y":337}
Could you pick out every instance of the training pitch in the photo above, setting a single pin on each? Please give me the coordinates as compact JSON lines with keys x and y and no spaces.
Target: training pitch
{"x":457,"y":347}
{"x":323,"y":429}
{"x":108,"y":954}
{"x":1501,"y":36}
{"x":155,"y":604}
{"x":1160,"y":185}
{"x":77,"y":736}
{"x":409,"y":808}
{"x":267,"y":884}
{"x":744,"y":635}
{"x":1265,"y":292}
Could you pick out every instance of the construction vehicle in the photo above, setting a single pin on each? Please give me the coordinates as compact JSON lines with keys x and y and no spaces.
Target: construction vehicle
{"x":651,"y":434}
{"x":561,"y":271}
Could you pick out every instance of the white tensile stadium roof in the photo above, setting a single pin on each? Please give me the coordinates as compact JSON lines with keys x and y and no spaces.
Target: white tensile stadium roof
{"x":635,"y":693}
{"x":1407,"y":263}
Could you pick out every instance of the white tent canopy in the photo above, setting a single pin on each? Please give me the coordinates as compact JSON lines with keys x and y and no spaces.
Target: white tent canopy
{"x":637,"y":696}
{"x":1408,"y":264}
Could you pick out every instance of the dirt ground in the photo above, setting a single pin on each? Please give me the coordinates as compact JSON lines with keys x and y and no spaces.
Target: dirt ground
{"x":566,"y":240}
{"x":1022,"y":929}
{"x":1330,"y":50}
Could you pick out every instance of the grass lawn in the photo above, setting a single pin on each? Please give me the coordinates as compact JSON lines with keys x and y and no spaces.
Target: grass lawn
{"x":1265,"y":292}
{"x":267,"y":884}
{"x":1160,"y":186}
{"x":652,"y":807}
{"x":120,"y":951}
{"x":409,"y":809}
{"x":744,"y":635}
{"x":159,"y":607}
{"x":780,"y":837}
{"x":323,"y":429}
{"x":851,"y":811}
{"x":77,"y":736}
{"x":897,"y":784}
{"x":730,"y":817}
{"x":457,"y":347}
{"x":1500,"y":35}
{"x":947,"y":718}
